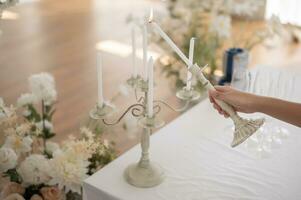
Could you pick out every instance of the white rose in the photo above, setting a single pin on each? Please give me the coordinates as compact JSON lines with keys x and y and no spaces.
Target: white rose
{"x":35,"y":170}
{"x":8,"y":159}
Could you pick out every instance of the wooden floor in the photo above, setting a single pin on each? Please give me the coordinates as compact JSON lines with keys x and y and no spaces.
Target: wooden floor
{"x":59,"y":37}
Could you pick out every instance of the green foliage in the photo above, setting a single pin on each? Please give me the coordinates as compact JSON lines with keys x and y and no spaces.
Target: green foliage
{"x":13,"y":175}
{"x":34,"y":115}
{"x":32,"y":190}
{"x":103,"y":156}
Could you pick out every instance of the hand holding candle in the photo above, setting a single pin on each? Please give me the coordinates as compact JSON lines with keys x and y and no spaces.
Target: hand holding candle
{"x":244,"y":128}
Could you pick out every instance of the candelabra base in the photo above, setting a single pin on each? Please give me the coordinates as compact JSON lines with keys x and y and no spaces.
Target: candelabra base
{"x":144,"y":176}
{"x":185,"y":94}
{"x":100,"y":112}
{"x":151,"y":122}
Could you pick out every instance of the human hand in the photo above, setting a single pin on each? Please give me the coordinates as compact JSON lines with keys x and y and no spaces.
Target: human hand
{"x":240,"y":101}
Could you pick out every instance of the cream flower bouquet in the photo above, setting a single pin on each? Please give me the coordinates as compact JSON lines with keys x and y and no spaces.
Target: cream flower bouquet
{"x":36,"y":168}
{"x":210,"y":22}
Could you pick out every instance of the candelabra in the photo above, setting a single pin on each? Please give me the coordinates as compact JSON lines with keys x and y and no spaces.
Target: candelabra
{"x":144,"y":173}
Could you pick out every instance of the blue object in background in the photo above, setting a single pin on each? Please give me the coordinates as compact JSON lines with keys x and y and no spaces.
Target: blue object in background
{"x":228,"y":64}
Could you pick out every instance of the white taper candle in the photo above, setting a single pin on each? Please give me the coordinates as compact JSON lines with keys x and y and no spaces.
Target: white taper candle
{"x":135,"y":72}
{"x":150,"y":93}
{"x":170,"y":42}
{"x":189,"y":74}
{"x":145,"y":34}
{"x":99,"y":79}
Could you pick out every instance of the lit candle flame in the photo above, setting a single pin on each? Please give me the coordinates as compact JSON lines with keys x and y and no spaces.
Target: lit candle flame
{"x":151,"y":16}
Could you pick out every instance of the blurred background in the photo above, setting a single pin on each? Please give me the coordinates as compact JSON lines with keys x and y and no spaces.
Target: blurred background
{"x":62,"y":37}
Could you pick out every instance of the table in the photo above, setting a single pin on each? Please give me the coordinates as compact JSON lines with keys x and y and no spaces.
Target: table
{"x":199,"y":164}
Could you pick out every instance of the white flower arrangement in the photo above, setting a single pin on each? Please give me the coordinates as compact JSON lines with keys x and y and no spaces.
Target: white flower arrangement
{"x":36,"y":167}
{"x":210,"y":22}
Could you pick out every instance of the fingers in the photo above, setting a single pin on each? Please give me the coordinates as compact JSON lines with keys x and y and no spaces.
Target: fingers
{"x":220,"y":110}
{"x":216,"y":95}
{"x":211,"y":98}
{"x":222,"y":88}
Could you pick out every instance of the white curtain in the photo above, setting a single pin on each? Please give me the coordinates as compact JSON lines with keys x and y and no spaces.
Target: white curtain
{"x":289,"y":11}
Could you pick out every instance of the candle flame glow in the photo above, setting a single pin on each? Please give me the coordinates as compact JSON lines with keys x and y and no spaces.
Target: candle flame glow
{"x":151,"y":16}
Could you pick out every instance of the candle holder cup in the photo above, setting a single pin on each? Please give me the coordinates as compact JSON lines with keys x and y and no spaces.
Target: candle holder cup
{"x":186,"y":94}
{"x":100,"y":112}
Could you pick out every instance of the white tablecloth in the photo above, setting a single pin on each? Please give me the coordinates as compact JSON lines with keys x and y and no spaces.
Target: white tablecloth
{"x":199,"y":164}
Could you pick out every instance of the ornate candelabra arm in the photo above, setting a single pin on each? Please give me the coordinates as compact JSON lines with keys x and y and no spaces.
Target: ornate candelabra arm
{"x":137,"y":111}
{"x":181,"y":109}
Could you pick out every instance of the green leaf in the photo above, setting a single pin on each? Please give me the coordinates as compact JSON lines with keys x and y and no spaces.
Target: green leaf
{"x":13,"y":175}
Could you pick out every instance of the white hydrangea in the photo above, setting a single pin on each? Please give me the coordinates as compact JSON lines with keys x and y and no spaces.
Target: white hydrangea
{"x":34,"y":170}
{"x":26,"y":99}
{"x":8,"y":159}
{"x":18,"y":143}
{"x":52,"y":147}
{"x":68,"y":171}
{"x":221,"y":25}
{"x":43,"y":87}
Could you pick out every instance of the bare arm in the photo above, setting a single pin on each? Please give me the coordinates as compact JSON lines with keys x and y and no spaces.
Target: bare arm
{"x":249,"y":103}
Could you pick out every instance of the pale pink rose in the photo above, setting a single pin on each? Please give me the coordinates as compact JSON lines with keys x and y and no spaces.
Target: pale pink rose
{"x":12,"y":188}
{"x":14,"y":197}
{"x":51,"y":193}
{"x":36,"y":197}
